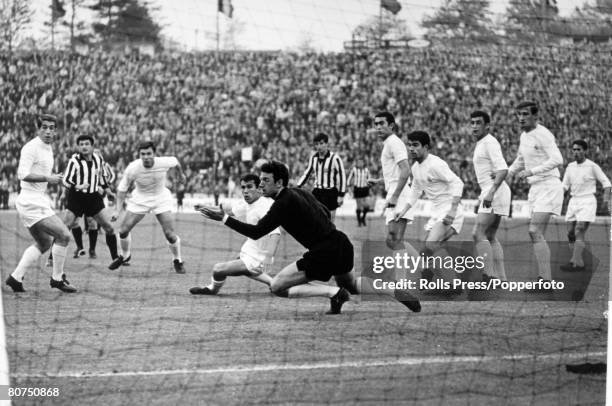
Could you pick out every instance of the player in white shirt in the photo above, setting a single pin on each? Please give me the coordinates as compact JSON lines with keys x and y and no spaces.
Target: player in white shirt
{"x":256,"y":256}
{"x":34,"y":208}
{"x":150,"y":194}
{"x":432,"y":177}
{"x":491,"y":170}
{"x":396,"y":175}
{"x":536,"y":162}
{"x":580,"y":180}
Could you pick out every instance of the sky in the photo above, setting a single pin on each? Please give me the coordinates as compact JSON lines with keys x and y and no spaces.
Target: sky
{"x":281,"y":24}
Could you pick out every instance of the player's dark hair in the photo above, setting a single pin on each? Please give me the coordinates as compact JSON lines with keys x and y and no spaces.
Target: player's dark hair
{"x":250,"y":177}
{"x":321,"y":137}
{"x":530,"y":104}
{"x":146,"y":145}
{"x":45,"y":117}
{"x":85,"y":137}
{"x":581,"y":143}
{"x":278,"y":170}
{"x":420,"y":136}
{"x":387,"y":116}
{"x":479,"y":113}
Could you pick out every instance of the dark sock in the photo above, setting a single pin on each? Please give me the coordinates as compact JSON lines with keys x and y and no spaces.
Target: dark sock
{"x":111,"y":241}
{"x":358,"y":216}
{"x":93,"y":240}
{"x":78,"y":237}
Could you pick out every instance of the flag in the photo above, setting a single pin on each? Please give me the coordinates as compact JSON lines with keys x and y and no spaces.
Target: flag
{"x":225,"y":7}
{"x":57,"y":9}
{"x":391,"y":5}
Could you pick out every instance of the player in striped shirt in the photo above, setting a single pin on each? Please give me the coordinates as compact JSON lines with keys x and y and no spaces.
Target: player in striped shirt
{"x":148,"y":176}
{"x":34,"y":208}
{"x":491,"y":170}
{"x":536,"y":162}
{"x":580,"y":180}
{"x":358,"y":177}
{"x":330,"y":178}
{"x":86,"y":181}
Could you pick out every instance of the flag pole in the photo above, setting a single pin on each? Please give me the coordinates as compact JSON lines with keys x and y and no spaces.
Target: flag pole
{"x":217,"y":28}
{"x":380,"y":23}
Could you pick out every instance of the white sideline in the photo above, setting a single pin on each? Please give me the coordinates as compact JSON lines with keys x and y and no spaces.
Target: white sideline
{"x":405,"y":361}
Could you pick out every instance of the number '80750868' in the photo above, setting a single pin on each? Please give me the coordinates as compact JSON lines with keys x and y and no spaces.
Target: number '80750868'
{"x":33,"y":392}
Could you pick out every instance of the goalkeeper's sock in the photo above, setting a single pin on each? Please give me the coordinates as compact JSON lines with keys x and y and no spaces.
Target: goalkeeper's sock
{"x":175,"y":248}
{"x":215,"y":285}
{"x":29,"y":258}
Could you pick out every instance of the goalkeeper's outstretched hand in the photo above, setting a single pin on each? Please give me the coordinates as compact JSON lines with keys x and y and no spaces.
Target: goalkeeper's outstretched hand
{"x":211,"y":212}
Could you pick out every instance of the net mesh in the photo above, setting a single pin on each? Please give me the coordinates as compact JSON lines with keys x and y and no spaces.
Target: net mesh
{"x":136,"y":335}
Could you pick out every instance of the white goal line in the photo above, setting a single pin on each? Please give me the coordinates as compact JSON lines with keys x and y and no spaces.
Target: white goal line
{"x":403,"y":361}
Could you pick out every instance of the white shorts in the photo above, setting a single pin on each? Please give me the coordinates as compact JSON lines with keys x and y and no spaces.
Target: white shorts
{"x":546,"y":197}
{"x":156,"y":205}
{"x":33,"y":207}
{"x":439,"y":212}
{"x":581,"y":209}
{"x":501,"y":201}
{"x":401,"y":202}
{"x":254,"y":266}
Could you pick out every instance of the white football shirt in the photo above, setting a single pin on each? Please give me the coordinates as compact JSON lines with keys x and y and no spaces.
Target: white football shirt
{"x":434,"y":178}
{"x":394,"y":151}
{"x":36,"y":159}
{"x":148,"y":182}
{"x":251,"y":214}
{"x":538,"y":153}
{"x":580,"y":179}
{"x":488,"y":159}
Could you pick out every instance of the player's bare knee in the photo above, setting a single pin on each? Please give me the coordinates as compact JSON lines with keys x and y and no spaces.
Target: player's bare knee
{"x":432,"y":246}
{"x":479,"y":234}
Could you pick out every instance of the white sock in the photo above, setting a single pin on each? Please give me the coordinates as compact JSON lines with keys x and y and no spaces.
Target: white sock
{"x":577,"y":254}
{"x":485,"y":250}
{"x":542,"y":254}
{"x":263,"y":278}
{"x":59,"y":258}
{"x":29,"y":258}
{"x":498,"y":260}
{"x":126,"y":246}
{"x":216,"y":285}
{"x":175,"y":248}
{"x":311,"y":289}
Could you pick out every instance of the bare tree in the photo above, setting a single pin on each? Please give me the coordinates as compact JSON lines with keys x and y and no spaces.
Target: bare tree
{"x":15,"y":15}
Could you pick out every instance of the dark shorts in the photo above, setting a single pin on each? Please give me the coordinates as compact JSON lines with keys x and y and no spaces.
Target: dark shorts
{"x":179,"y":197}
{"x":361,"y":192}
{"x":329,"y":197}
{"x":332,"y":256}
{"x":88,"y":204}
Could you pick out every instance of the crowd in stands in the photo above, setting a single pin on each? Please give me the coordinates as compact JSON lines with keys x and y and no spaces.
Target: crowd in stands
{"x":275,"y":102}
